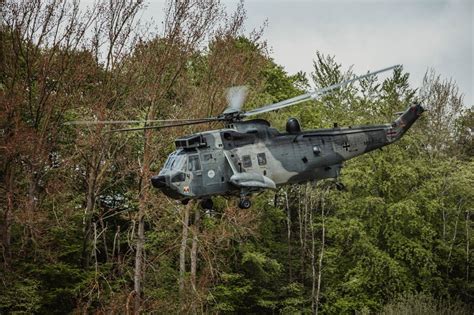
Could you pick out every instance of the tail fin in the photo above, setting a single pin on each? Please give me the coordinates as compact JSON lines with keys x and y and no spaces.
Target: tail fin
{"x":404,"y":122}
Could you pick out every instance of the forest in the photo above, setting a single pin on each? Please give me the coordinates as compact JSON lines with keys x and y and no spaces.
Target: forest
{"x":83,"y":231}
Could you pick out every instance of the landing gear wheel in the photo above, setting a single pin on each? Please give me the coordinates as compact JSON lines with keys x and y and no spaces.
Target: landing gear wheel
{"x":184,"y":201}
{"x":245,"y":204}
{"x":207,"y":204}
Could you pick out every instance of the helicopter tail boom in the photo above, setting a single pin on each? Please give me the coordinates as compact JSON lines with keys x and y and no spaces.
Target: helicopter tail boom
{"x":400,"y":125}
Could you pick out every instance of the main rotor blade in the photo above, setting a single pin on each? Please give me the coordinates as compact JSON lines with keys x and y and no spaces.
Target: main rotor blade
{"x":195,"y":122}
{"x":124,"y":122}
{"x":311,"y":95}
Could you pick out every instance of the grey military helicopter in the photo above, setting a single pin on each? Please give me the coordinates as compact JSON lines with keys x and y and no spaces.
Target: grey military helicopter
{"x":249,"y":156}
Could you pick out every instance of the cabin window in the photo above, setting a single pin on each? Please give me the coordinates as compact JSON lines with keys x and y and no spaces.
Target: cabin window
{"x":247,"y":161}
{"x":262,"y":159}
{"x":193,"y":163}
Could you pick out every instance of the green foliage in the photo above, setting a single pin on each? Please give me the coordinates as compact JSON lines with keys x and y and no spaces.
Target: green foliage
{"x":229,"y":296}
{"x":23,"y":297}
{"x":423,"y":304}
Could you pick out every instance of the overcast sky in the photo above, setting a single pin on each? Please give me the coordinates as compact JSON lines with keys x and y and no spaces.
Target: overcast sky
{"x":367,"y":34}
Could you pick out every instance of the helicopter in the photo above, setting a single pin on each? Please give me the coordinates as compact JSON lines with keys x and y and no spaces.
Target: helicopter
{"x":249,"y":156}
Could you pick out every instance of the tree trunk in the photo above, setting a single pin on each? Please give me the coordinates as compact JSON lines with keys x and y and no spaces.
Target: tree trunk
{"x":321,"y":253}
{"x":104,"y":238}
{"x":7,"y":216}
{"x":182,"y":250}
{"x":90,"y":205}
{"x":448,"y":270}
{"x":313,"y":261}
{"x":140,"y":239}
{"x":194,"y":246}
{"x":138,"y":274}
{"x":300,"y":230}
{"x":467,"y":244}
{"x":288,"y":223}
{"x":32,"y":192}
{"x":194,"y":249}
{"x":116,"y":248}
{"x":305,"y":234}
{"x":144,"y":184}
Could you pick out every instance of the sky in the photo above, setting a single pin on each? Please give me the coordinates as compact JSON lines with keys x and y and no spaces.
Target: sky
{"x":367,"y":34}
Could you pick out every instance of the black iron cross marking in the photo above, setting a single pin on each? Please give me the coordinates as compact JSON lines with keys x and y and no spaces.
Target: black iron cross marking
{"x":346,"y":146}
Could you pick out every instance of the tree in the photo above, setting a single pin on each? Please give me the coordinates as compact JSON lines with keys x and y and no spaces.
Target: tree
{"x":444,"y":102}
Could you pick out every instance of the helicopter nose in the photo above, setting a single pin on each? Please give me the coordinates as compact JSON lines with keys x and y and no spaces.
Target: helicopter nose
{"x":158,"y":181}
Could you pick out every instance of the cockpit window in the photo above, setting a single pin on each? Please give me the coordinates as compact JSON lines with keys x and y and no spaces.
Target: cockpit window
{"x":193,"y":163}
{"x":179,"y":163}
{"x":168,"y":161}
{"x":176,"y":162}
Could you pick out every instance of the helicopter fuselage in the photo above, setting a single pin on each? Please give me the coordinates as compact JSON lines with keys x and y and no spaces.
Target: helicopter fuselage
{"x":249,"y":156}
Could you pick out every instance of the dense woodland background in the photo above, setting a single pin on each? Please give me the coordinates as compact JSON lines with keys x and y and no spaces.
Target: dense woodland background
{"x":82,"y":231}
